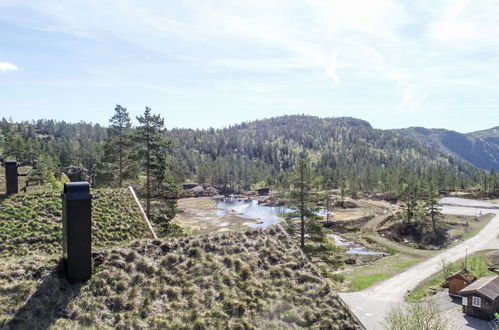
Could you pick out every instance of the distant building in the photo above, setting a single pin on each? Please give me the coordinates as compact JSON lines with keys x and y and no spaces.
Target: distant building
{"x":481,"y":298}
{"x":189,"y":185}
{"x":263,"y":191}
{"x":459,"y":281}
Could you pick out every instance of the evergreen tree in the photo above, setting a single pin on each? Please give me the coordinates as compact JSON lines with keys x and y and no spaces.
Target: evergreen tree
{"x":151,"y":148}
{"x":409,"y":198}
{"x":494,"y":185}
{"x":300,"y":195}
{"x":485,"y":183}
{"x":118,"y":147}
{"x":432,"y":207}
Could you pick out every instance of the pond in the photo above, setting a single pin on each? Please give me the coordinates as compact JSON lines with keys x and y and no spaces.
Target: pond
{"x":352,"y":247}
{"x":270,"y":215}
{"x":249,"y":209}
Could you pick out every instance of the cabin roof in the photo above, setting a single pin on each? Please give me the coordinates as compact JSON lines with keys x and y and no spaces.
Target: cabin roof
{"x":463,"y":274}
{"x":487,"y":286}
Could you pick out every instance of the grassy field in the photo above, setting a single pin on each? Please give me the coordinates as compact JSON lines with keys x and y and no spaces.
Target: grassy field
{"x":473,"y":226}
{"x":30,"y":223}
{"x":400,"y":257}
{"x":232,"y":280}
{"x":476,"y":264}
{"x":365,"y":276}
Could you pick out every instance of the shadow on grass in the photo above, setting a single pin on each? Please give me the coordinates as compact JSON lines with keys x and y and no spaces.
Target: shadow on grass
{"x":3,"y":197}
{"x":48,"y":303}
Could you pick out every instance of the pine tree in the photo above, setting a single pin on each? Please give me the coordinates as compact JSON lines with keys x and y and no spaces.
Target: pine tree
{"x":151,"y":148}
{"x":484,"y":183}
{"x":494,"y":186}
{"x":118,"y":147}
{"x":409,"y":198}
{"x":431,"y":207}
{"x":300,"y":195}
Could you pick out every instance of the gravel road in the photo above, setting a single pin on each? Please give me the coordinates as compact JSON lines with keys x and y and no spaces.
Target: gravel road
{"x":372,"y":304}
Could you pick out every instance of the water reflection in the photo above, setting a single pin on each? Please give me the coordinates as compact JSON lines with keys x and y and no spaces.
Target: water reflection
{"x":352,"y":247}
{"x":249,"y":209}
{"x":270,"y":215}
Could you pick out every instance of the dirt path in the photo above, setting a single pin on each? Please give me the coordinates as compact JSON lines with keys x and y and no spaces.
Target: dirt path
{"x":376,"y":222}
{"x":398,"y":246}
{"x":372,"y":304}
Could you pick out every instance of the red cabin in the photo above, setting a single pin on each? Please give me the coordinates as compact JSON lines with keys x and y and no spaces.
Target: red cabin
{"x":459,"y":281}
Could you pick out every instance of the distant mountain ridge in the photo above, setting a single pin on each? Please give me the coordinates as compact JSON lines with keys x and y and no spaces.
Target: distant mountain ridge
{"x":342,"y":149}
{"x":490,"y":135}
{"x":479,"y":148}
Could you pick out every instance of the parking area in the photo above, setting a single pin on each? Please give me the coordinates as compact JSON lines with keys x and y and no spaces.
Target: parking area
{"x":451,"y":307}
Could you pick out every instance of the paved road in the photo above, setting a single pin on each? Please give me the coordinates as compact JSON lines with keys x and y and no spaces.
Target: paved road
{"x":372,"y":304}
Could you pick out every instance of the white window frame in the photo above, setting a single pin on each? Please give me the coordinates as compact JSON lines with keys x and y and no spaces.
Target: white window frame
{"x":476,"y":302}
{"x":465,"y":301}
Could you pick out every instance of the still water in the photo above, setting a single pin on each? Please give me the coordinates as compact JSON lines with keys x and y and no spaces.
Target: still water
{"x":249,"y":209}
{"x":270,"y":215}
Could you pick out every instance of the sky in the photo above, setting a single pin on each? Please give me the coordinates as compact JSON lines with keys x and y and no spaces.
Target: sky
{"x":209,"y":63}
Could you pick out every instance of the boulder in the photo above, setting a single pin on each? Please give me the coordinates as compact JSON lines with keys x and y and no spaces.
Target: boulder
{"x":76,"y":174}
{"x":345,"y":204}
{"x":200,"y":191}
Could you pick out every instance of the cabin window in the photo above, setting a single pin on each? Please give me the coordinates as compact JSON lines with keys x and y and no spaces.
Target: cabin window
{"x":475,"y":302}
{"x":465,"y":301}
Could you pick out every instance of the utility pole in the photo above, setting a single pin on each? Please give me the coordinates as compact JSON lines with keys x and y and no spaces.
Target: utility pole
{"x":466,"y":260}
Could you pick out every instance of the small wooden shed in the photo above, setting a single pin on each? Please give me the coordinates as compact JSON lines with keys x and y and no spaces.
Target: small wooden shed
{"x":459,"y":281}
{"x":263,"y":191}
{"x":481,"y":298}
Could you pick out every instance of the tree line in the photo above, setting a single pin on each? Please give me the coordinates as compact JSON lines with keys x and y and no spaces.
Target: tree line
{"x":114,"y":155}
{"x":345,"y":154}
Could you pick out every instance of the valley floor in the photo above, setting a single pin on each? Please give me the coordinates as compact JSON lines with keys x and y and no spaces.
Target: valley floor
{"x":372,"y":304}
{"x":199,"y":215}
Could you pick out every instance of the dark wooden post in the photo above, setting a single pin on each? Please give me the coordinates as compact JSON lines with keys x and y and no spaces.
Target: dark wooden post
{"x":77,"y":231}
{"x":11,"y":177}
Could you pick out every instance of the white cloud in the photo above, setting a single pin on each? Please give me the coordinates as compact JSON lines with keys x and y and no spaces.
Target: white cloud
{"x":453,"y":22}
{"x":453,"y":30}
{"x":262,"y":64}
{"x":412,"y":49}
{"x":6,"y":66}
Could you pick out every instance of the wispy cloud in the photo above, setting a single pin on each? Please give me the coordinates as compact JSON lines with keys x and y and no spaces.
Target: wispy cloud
{"x":406,"y":54}
{"x":6,"y":66}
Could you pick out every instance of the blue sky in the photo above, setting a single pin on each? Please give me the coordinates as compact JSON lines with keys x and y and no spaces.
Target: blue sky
{"x":209,"y":63}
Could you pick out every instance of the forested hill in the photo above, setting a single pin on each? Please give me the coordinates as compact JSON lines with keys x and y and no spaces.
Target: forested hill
{"x":479,"y":148}
{"x":345,"y":151}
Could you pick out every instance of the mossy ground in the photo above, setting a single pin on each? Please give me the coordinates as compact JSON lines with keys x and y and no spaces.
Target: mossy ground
{"x":233,"y":280}
{"x":30,"y":223}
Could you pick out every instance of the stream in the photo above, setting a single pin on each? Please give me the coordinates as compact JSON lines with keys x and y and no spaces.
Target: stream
{"x":270,"y":215}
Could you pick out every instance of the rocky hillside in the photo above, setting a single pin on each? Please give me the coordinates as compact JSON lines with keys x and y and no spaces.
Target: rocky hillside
{"x":478,"y":148}
{"x":30,"y":223}
{"x":238,"y":280}
{"x":490,"y":135}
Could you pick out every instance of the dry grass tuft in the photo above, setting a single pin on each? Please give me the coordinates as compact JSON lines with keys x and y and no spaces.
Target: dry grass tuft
{"x":239,"y":280}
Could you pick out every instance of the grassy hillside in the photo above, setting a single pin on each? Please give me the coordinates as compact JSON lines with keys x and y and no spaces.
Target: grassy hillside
{"x":30,"y":223}
{"x":237,"y":280}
